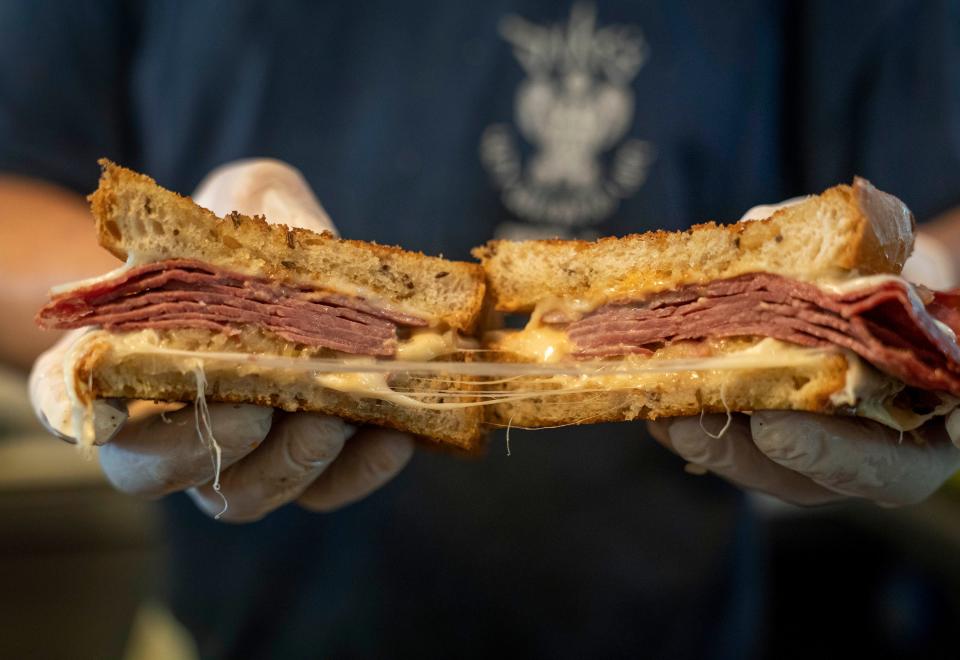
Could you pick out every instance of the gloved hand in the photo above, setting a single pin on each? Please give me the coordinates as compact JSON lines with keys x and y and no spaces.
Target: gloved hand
{"x":268,"y":458}
{"x":808,"y":459}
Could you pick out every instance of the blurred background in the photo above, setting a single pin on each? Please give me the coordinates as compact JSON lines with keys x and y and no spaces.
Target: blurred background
{"x":432,"y":126}
{"x":83,"y":566}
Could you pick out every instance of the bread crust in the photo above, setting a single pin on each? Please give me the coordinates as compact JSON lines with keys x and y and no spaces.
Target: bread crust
{"x":136,"y":217}
{"x":848,"y":229}
{"x":134,"y":214}
{"x":103,"y":369}
{"x":845,"y":230}
{"x":809,"y":388}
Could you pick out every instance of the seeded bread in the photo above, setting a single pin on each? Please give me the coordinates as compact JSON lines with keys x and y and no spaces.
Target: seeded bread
{"x":135,"y":215}
{"x":847,"y":229}
{"x":105,"y":367}
{"x":141,"y":222}
{"x":570,"y":400}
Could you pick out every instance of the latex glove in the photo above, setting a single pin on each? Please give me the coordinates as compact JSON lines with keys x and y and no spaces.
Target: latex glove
{"x":268,"y":458}
{"x":809,"y":459}
{"x":804,"y":458}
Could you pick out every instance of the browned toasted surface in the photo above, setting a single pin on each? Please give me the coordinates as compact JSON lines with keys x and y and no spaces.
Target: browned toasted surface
{"x":103,"y":369}
{"x":134,"y":214}
{"x":847,"y":229}
{"x":569,"y":400}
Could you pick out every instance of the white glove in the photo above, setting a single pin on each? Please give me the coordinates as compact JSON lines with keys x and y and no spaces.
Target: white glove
{"x":810,"y":459}
{"x":268,"y":458}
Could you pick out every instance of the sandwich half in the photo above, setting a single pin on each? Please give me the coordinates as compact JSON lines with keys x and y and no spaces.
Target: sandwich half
{"x":805,"y":310}
{"x":226,"y":307}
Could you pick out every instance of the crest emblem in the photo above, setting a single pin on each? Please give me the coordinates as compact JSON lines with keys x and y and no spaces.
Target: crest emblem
{"x":572,"y":111}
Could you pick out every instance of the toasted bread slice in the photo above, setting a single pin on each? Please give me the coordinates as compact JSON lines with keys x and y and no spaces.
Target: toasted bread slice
{"x":846,"y":230}
{"x":743,"y":375}
{"x":106,"y":365}
{"x":134,"y":216}
{"x":140,"y":222}
{"x":765,"y":380}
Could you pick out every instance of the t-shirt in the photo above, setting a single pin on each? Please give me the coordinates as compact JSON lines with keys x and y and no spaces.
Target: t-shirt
{"x":437,"y":126}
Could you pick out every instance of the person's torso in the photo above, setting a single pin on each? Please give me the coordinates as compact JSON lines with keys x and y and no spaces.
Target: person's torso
{"x":437,"y":128}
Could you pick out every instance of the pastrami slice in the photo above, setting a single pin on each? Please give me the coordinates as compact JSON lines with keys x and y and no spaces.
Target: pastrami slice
{"x":887,"y":324}
{"x":183,"y":293}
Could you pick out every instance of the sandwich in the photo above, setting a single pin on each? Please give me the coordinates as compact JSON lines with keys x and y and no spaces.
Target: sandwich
{"x":227,"y":309}
{"x":805,"y":310}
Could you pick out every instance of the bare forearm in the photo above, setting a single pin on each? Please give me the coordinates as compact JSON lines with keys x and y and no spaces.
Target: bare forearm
{"x":46,"y":238}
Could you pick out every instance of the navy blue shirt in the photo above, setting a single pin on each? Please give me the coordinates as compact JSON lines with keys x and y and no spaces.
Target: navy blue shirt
{"x":437,"y":127}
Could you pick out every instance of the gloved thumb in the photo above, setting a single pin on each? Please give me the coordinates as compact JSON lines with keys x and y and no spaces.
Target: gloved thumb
{"x":299,"y":448}
{"x":369,"y":459}
{"x":953,"y":427}
{"x":724,"y":447}
{"x":858,"y":457}
{"x":51,"y":401}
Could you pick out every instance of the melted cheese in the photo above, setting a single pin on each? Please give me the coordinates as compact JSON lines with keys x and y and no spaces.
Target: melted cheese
{"x":82,"y":417}
{"x":862,"y":381}
{"x":872,"y":394}
{"x":848,"y":284}
{"x":867,"y":391}
{"x":946,"y":329}
{"x":90,"y":281}
{"x":87,"y":422}
{"x":571,"y":307}
{"x":576,"y":307}
{"x":869,"y":281}
{"x":551,"y":345}
{"x":423,"y":346}
{"x":369,"y":386}
{"x":539,"y":344}
{"x":426,"y":344}
{"x":348,"y":288}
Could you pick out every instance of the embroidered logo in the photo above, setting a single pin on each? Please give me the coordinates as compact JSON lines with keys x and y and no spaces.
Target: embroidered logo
{"x":573,"y":110}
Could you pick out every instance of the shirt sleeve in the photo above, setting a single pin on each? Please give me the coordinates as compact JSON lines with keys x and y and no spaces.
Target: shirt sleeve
{"x":64,"y":71}
{"x":879,"y":96}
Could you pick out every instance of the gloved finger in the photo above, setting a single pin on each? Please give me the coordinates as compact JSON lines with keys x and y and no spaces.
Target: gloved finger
{"x":164,"y":453}
{"x":734,"y":457}
{"x":660,"y":430}
{"x":953,"y":427}
{"x":52,"y":405}
{"x":267,"y":187}
{"x":297,"y":450}
{"x":858,"y":457}
{"x":764,"y":211}
{"x":931,"y":263}
{"x":369,"y":460}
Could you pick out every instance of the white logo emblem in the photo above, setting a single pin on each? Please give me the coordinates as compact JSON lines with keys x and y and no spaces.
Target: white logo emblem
{"x":574,"y":108}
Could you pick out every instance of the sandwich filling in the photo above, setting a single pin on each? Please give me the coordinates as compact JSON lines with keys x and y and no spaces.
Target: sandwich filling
{"x":905,"y":331}
{"x":182,"y":293}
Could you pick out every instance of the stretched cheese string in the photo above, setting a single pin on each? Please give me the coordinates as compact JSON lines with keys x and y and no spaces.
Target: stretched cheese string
{"x":726,"y":426}
{"x":731,"y":361}
{"x":465,"y":392}
{"x":201,"y":413}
